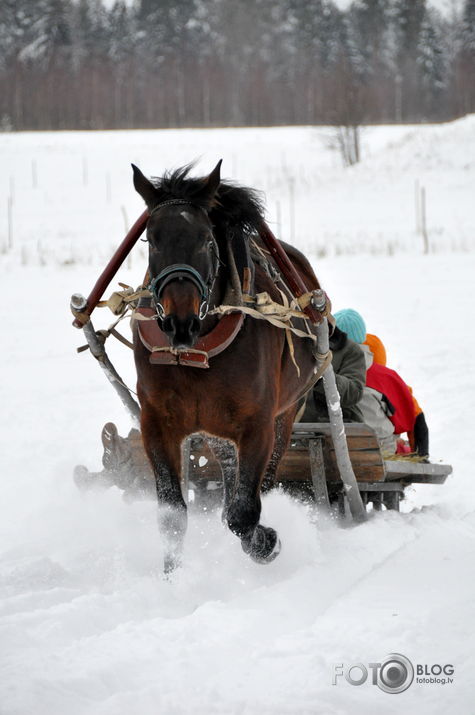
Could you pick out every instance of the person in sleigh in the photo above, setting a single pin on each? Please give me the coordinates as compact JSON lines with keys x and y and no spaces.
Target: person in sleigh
{"x":387,"y":402}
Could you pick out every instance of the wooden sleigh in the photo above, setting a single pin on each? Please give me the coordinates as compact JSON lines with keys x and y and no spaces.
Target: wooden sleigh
{"x":320,"y":463}
{"x":308,"y":469}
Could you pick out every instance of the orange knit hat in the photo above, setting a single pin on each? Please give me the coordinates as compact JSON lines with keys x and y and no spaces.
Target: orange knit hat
{"x":377,"y":348}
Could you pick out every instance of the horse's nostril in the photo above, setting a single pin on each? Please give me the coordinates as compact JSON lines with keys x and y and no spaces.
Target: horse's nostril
{"x":169,"y":325}
{"x":194,"y":327}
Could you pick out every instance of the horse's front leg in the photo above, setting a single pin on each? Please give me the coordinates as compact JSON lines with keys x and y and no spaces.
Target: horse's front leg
{"x":260,"y":542}
{"x":164,"y":453}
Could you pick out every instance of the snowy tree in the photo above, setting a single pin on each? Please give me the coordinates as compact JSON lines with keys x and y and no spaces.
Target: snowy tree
{"x":80,"y":63}
{"x":430,"y":55}
{"x":468,"y":27}
{"x":465,"y":63}
{"x":367,"y":24}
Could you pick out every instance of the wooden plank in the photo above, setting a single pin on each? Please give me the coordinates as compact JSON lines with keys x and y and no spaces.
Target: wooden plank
{"x":381,"y":487}
{"x":417,"y":472}
{"x":351,"y":429}
{"x":367,"y":463}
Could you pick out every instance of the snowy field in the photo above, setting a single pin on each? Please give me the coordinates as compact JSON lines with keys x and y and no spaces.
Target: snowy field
{"x":71,"y":193}
{"x":87,"y":626}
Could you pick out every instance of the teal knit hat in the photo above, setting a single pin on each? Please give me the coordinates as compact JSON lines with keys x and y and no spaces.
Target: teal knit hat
{"x":352,"y":324}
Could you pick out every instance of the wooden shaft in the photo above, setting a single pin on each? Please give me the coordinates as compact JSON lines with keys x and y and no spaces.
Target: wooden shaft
{"x":337,"y":430}
{"x":294,"y":281}
{"x":113,"y":266}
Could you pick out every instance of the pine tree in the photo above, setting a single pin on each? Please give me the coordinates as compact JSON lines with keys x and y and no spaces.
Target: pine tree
{"x":318,"y":27}
{"x":468,"y":28}
{"x":409,"y":16}
{"x":367,"y":24}
{"x":430,"y":55}
{"x":432,"y":63}
{"x":466,"y":59}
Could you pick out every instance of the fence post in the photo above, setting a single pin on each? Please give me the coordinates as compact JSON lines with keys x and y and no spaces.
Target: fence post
{"x":10,"y":222}
{"x":417,"y":197}
{"x":279,"y":219}
{"x":423,"y":221}
{"x":292,"y":209}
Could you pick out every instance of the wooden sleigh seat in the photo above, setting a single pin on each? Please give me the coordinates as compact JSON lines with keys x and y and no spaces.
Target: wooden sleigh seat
{"x":308,"y":469}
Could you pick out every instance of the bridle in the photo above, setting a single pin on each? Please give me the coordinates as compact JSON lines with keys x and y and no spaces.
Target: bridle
{"x":183,"y":271}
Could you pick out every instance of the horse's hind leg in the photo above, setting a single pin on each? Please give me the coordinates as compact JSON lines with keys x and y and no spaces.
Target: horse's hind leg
{"x":282,"y":431}
{"x":165,"y":458}
{"x":226,"y":454}
{"x":260,"y":542}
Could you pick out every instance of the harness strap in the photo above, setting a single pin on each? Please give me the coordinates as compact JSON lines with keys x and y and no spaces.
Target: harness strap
{"x":102,"y":335}
{"x":121,"y":300}
{"x":274,"y":313}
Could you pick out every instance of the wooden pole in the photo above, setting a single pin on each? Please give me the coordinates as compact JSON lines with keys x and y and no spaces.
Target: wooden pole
{"x":417,"y":199}
{"x":337,"y":429}
{"x":10,"y":222}
{"x":279,"y":219}
{"x":292,"y":208}
{"x":423,"y":221}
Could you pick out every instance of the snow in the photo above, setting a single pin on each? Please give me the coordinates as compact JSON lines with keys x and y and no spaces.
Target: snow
{"x":87,"y":625}
{"x":72,"y":194}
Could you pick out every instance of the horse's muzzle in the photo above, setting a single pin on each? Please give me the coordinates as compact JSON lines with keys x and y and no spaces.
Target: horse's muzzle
{"x":182,"y":333}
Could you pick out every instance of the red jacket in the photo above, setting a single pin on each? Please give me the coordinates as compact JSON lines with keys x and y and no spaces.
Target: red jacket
{"x":388,"y":382}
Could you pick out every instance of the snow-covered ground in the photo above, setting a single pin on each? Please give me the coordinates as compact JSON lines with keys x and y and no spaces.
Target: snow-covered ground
{"x":72,"y":192}
{"x":87,"y":626}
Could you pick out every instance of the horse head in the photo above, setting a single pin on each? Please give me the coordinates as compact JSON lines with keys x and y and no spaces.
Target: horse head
{"x":183,"y":252}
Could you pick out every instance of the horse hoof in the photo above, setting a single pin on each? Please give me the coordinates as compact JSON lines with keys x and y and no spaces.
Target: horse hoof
{"x":170,"y":565}
{"x":264,"y":545}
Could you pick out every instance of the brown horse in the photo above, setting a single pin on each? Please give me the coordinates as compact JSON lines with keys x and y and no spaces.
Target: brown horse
{"x":245,"y":402}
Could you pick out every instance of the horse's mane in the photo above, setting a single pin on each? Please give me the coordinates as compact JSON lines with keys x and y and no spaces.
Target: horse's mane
{"x":234,"y":206}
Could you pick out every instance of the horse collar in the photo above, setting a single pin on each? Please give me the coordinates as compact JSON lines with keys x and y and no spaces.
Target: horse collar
{"x":209,"y":345}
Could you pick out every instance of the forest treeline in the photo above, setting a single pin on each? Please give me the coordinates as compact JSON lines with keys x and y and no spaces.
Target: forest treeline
{"x":68,"y":64}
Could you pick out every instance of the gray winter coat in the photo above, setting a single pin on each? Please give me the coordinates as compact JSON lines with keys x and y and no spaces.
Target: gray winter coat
{"x":350,"y":373}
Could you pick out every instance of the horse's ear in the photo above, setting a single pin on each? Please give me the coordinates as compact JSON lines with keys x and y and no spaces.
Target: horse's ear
{"x":144,"y":187}
{"x":211,"y":183}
